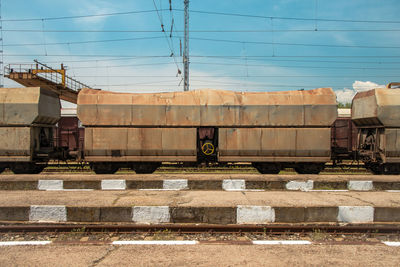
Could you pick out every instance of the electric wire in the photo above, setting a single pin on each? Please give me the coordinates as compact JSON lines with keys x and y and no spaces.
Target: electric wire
{"x":170,"y":44}
{"x":294,"y":18}
{"x":203,"y":39}
{"x":209,"y":13}
{"x":207,"y":31}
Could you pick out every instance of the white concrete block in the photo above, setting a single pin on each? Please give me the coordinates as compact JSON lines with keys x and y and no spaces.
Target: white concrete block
{"x":155,"y":242}
{"x":300,"y":185}
{"x":360,"y":185}
{"x":254,"y":214}
{"x":47,"y":213}
{"x":178,"y":184}
{"x":151,"y":214}
{"x":50,"y":184}
{"x":392,"y":243}
{"x":356,"y":214}
{"x":113,"y":185}
{"x":281,"y":242}
{"x":233,"y":184}
{"x":24,"y":243}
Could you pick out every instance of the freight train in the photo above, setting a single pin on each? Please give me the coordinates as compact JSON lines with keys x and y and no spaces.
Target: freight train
{"x":270,"y":130}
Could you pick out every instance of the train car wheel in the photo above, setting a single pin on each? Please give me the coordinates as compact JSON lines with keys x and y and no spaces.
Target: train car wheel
{"x":104,"y":168}
{"x":27,"y":168}
{"x":375,"y":168}
{"x":267,"y":168}
{"x":392,"y":168}
{"x":146,"y":167}
{"x":2,"y":168}
{"x":309,"y":168}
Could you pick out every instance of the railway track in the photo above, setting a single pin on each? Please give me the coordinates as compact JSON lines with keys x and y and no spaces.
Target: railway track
{"x":372,"y":230}
{"x":174,"y":168}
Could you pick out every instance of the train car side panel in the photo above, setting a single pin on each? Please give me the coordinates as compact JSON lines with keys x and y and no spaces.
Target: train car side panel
{"x":16,"y":144}
{"x":392,"y":139}
{"x":274,"y":144}
{"x":140,"y":144}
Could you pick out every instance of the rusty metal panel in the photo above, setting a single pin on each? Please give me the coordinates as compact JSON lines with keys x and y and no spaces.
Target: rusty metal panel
{"x":392,"y":144}
{"x":313,"y":142}
{"x":88,"y":113}
{"x":274,"y":142}
{"x":379,"y":106}
{"x":16,"y":142}
{"x":68,"y":134}
{"x":25,"y":106}
{"x":126,"y":142}
{"x":344,"y":135}
{"x":278,"y":142}
{"x":144,"y":141}
{"x":120,"y":113}
{"x":364,"y":109}
{"x":319,"y":115}
{"x":208,"y":108}
{"x":388,"y":101}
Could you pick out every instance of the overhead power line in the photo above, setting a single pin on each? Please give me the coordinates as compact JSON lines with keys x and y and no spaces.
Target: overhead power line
{"x":205,"y":12}
{"x":241,"y":76}
{"x":207,"y":31}
{"x":88,"y":41}
{"x":295,"y":66}
{"x":82,"y":16}
{"x":169,"y":41}
{"x":292,"y":18}
{"x":241,"y":64}
{"x":202,"y":56}
{"x":274,"y":59}
{"x":205,"y":39}
{"x":126,"y":65}
{"x":291,"y":44}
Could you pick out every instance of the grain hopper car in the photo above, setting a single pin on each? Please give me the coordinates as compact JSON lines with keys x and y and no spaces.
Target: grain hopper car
{"x":376,"y":114}
{"x":272,"y":130}
{"x":27,"y":119}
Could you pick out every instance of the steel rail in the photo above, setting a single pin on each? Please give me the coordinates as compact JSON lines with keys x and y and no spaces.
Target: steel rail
{"x":373,"y":229}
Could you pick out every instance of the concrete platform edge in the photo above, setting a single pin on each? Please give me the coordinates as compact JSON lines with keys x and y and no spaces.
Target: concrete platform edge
{"x":244,"y":214}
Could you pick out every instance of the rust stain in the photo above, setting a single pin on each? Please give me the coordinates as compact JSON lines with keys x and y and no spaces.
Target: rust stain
{"x":208,"y":107}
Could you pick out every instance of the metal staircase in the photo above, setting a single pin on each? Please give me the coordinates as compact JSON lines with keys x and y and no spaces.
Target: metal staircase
{"x":41,"y":75}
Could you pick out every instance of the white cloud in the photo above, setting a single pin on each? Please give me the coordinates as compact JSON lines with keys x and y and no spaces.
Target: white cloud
{"x":346,"y":95}
{"x":360,"y":86}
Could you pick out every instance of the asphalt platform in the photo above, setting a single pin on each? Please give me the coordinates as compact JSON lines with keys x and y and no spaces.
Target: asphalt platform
{"x":225,"y":182}
{"x":200,"y":199}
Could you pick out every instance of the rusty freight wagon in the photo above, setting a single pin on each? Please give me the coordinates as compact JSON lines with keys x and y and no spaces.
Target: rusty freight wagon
{"x":27,"y":119}
{"x":69,"y":133}
{"x":272,"y":130}
{"x":344,"y":137}
{"x":377,"y":116}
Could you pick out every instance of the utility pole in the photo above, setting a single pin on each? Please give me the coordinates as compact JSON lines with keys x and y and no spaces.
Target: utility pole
{"x":186,"y":49}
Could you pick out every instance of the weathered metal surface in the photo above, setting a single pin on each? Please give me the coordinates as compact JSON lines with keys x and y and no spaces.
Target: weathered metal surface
{"x":131,"y":144}
{"x":344,"y":136}
{"x":392,"y":144}
{"x":69,"y":134}
{"x":379,"y":107}
{"x":208,"y":108}
{"x":274,"y":144}
{"x":25,"y":106}
{"x":16,"y":143}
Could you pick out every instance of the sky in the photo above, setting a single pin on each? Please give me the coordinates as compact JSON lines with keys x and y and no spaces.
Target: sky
{"x":248,"y":45}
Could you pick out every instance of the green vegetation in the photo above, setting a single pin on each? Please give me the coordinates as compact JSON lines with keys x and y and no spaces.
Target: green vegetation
{"x":344,"y":105}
